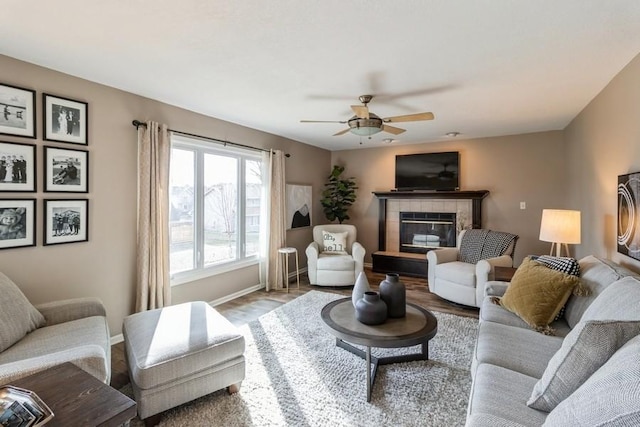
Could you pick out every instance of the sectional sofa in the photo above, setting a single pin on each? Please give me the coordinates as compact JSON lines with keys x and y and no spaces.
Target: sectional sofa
{"x":587,"y":374}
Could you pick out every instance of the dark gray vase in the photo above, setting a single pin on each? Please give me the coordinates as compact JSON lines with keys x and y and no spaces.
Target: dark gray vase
{"x":394,"y":294}
{"x":370,"y":309}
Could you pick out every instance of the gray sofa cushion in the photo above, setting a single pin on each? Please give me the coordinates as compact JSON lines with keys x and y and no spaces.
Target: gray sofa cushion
{"x":84,"y":342}
{"x":596,"y":274}
{"x":609,"y":397}
{"x":17,"y":316}
{"x":587,"y":347}
{"x":490,"y":312}
{"x":521,"y":350}
{"x":619,"y":301}
{"x":503,"y":394}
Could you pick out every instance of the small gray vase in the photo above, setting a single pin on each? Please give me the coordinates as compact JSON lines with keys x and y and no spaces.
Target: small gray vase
{"x":370,"y":309}
{"x":361,"y":286}
{"x":394,"y":294}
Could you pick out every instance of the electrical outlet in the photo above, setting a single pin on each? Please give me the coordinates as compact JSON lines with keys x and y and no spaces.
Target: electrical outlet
{"x":523,"y":205}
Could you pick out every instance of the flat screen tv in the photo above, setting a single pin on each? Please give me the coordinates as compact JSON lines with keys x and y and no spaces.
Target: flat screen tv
{"x":428,"y":171}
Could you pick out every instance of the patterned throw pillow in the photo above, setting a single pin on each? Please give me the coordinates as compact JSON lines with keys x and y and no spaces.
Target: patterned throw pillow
{"x":564,"y":264}
{"x":334,"y":243}
{"x":537,"y":293}
{"x":560,"y":263}
{"x":584,"y":350}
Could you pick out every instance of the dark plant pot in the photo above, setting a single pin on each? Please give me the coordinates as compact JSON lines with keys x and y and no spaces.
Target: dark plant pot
{"x":370,"y":309}
{"x":394,"y":294}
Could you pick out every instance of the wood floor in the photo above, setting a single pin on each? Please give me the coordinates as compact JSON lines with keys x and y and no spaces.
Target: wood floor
{"x":249,"y":307}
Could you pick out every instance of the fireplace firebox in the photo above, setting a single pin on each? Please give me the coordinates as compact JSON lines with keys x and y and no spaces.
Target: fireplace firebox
{"x":421,"y":232}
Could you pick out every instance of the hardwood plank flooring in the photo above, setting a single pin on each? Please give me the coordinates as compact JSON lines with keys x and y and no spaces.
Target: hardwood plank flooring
{"x":249,"y":307}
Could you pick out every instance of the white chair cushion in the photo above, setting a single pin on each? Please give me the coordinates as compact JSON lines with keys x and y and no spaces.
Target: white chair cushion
{"x":458,"y":272}
{"x":336,"y":262}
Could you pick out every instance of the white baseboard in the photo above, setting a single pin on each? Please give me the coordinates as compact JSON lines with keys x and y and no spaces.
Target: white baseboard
{"x":116,"y":339}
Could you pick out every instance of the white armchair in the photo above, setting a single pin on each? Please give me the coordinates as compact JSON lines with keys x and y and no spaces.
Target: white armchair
{"x":333,"y":267}
{"x":459,"y":274}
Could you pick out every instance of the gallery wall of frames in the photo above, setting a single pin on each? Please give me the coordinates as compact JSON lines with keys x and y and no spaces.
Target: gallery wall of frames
{"x":63,"y":174}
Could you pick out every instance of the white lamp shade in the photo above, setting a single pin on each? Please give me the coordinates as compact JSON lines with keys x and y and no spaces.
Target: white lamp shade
{"x":560,"y":226}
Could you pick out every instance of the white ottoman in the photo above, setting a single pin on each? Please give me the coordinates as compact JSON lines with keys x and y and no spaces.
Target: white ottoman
{"x":179,"y":353}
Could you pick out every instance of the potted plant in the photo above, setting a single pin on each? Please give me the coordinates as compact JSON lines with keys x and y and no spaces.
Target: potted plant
{"x":338,"y":196}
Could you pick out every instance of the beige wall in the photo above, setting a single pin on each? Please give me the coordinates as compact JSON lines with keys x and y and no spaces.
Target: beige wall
{"x":603,"y":141}
{"x":105,"y":265}
{"x":522,"y":168}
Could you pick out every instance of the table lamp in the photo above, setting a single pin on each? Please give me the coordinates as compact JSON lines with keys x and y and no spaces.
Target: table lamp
{"x":560,"y":227}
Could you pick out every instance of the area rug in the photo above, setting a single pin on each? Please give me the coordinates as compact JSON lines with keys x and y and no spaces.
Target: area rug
{"x":296,"y":376}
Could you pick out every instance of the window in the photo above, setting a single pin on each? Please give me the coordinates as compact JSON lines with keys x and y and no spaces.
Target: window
{"x":216,"y":197}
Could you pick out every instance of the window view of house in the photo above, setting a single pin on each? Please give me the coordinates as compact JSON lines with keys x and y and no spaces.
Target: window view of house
{"x":215,"y":205}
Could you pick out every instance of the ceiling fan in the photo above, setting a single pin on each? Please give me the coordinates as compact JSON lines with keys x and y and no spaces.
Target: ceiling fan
{"x":365,"y":123}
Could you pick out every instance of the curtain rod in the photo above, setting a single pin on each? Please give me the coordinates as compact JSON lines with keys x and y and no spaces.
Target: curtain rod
{"x":138,"y":123}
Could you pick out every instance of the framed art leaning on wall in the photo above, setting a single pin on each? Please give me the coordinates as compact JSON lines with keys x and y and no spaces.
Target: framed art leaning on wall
{"x":66,"y":221}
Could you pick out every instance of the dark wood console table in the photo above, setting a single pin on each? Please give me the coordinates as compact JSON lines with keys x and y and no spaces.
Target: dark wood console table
{"x":78,"y":398}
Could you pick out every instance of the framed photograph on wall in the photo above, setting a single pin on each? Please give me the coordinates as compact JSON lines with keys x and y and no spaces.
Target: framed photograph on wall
{"x":65,"y":120}
{"x":17,"y":111}
{"x":17,"y":223}
{"x":298,"y":206}
{"x":17,"y":167}
{"x":66,"y":221}
{"x":66,"y":170}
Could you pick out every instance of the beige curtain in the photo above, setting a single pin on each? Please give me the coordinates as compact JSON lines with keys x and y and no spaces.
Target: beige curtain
{"x":275,"y":217}
{"x":153,"y":285}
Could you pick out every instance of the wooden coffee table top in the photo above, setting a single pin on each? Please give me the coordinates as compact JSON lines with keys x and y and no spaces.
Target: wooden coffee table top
{"x":418,"y":326}
{"x":78,"y":398}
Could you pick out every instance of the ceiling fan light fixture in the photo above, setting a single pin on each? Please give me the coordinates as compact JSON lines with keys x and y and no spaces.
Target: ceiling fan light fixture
{"x":365,"y":127}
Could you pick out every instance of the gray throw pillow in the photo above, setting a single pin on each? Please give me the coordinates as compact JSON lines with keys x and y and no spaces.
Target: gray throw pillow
{"x":609,"y":397}
{"x":584,"y":350}
{"x":17,"y":316}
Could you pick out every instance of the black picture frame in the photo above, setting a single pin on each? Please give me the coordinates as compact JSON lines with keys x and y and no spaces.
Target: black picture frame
{"x":65,"y":221}
{"x":17,"y":223}
{"x":628,"y":223}
{"x":17,"y":111}
{"x":65,"y":170}
{"x":18,"y":167}
{"x":65,"y":120}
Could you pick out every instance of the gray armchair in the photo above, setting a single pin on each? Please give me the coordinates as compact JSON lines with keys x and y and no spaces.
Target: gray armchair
{"x":33,"y":338}
{"x":331,"y":267}
{"x":459,"y":274}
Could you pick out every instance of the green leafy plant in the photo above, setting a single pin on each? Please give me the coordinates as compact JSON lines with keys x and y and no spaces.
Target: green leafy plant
{"x":338,"y":196}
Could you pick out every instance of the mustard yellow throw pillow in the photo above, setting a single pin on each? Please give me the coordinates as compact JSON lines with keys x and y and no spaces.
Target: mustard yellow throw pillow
{"x":537,"y":294}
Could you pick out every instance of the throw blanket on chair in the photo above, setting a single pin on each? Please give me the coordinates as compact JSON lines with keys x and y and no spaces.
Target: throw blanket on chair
{"x":480,"y":244}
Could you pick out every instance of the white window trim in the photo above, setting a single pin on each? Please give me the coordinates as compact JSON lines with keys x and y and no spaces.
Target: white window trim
{"x":183,"y":277}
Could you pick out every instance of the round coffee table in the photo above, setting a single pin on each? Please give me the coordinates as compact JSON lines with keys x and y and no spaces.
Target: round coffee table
{"x":416,"y":328}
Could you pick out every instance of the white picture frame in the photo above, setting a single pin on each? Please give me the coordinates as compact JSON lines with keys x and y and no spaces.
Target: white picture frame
{"x":66,"y":221}
{"x":17,"y":223}
{"x":66,"y":170}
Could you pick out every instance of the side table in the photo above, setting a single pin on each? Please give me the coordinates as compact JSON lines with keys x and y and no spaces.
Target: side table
{"x":503,"y":274}
{"x":78,"y":398}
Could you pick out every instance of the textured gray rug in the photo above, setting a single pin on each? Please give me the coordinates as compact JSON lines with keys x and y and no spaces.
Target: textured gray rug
{"x":296,"y":376}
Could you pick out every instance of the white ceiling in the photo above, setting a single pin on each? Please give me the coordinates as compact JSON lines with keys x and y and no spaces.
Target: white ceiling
{"x":483,"y":67}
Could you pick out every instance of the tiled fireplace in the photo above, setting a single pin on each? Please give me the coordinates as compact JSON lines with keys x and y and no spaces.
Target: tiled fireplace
{"x":412,"y":223}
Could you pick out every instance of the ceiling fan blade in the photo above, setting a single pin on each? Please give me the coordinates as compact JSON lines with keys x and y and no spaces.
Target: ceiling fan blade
{"x":393,"y":130}
{"x":409,"y":118}
{"x":361,"y":111}
{"x":323,"y":121}
{"x":342,"y":132}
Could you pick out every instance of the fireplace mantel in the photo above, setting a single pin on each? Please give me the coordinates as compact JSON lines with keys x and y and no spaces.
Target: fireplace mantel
{"x":472,"y":194}
{"x":475,"y":196}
